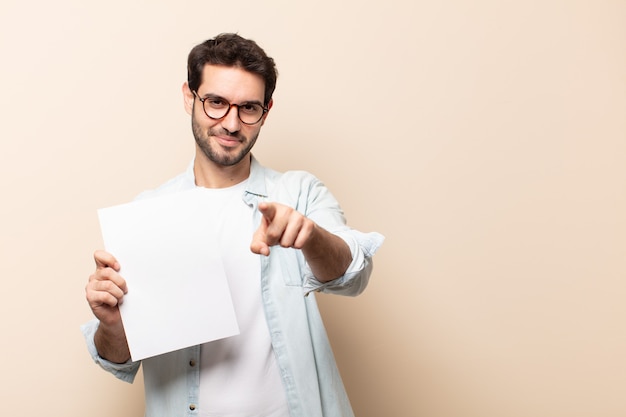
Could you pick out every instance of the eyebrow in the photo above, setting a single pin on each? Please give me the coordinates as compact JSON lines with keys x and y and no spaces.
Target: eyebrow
{"x":215,"y":96}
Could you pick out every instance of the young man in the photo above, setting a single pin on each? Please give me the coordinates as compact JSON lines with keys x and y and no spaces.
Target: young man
{"x":287,"y":237}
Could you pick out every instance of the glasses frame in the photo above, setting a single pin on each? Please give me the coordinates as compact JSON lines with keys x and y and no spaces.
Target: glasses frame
{"x":230,"y":106}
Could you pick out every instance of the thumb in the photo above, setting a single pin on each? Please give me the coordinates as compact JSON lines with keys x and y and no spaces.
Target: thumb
{"x":259,"y":239}
{"x":104,"y":259}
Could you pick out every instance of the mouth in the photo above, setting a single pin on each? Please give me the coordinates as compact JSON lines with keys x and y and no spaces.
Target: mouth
{"x":227,"y":141}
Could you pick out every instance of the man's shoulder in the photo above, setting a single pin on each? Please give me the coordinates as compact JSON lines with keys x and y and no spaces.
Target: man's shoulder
{"x":271,"y":178}
{"x":299,"y":177}
{"x":292,"y":179}
{"x":181,"y":182}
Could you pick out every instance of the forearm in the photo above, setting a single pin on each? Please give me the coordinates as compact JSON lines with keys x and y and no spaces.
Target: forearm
{"x":111,"y":343}
{"x":328,"y":255}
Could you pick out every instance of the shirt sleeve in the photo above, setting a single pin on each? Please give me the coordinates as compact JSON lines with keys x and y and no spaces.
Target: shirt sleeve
{"x":124,"y":371}
{"x":355,"y":279}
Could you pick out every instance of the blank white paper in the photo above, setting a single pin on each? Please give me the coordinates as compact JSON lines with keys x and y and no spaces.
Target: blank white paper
{"x":168,"y":250}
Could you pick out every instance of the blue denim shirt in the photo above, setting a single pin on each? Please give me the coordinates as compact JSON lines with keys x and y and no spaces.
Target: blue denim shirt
{"x":307,"y":365}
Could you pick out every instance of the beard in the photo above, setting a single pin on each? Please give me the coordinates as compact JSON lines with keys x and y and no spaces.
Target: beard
{"x":215,"y":152}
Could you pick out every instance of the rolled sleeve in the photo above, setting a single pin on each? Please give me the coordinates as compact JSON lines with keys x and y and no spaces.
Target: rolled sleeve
{"x":124,"y":371}
{"x":355,"y":279}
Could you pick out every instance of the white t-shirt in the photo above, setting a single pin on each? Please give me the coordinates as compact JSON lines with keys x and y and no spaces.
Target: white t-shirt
{"x":239,"y":376}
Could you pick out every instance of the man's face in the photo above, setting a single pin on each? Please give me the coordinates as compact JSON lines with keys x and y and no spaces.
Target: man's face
{"x":226,"y":141}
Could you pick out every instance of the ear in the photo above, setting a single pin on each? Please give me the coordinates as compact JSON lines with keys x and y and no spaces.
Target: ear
{"x":188,"y":98}
{"x":269,"y":107}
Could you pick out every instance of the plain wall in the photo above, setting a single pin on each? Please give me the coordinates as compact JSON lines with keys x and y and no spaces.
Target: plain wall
{"x":485,"y":139}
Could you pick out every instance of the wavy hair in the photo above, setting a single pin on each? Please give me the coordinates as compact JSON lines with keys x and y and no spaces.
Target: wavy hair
{"x":232,"y":50}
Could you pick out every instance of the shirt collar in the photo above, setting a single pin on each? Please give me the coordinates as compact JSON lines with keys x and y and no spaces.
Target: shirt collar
{"x":256,"y":181}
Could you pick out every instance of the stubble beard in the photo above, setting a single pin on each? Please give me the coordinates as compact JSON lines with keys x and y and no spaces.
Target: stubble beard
{"x":212,"y":151}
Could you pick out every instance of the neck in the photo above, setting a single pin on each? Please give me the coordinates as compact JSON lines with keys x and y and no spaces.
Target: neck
{"x":208,"y":174}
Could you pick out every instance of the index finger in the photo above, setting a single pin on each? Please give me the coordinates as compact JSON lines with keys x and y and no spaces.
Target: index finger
{"x":105,"y":260}
{"x":268,"y":210}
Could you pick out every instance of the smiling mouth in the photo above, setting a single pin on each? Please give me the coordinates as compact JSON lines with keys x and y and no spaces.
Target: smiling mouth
{"x":228,"y":141}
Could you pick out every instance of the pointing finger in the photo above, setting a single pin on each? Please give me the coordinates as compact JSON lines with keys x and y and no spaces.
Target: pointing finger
{"x":268,"y":210}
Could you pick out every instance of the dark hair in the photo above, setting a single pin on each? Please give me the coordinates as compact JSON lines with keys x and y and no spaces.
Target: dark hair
{"x":231,"y":50}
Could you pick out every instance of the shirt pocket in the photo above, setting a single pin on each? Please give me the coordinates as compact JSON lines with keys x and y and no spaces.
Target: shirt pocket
{"x":289,"y":264}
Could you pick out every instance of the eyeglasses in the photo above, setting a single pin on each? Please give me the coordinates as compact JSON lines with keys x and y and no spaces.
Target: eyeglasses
{"x":216,"y":107}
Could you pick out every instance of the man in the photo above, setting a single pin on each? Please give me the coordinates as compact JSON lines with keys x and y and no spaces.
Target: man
{"x":287,"y":237}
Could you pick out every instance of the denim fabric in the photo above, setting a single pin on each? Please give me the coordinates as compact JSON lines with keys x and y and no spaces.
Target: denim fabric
{"x":307,"y":365}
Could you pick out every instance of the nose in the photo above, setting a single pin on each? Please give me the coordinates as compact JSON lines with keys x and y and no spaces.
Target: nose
{"x":231,"y":120}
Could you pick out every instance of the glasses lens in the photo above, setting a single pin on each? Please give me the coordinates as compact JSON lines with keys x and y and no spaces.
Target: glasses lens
{"x":250,"y":113}
{"x":215,"y":108}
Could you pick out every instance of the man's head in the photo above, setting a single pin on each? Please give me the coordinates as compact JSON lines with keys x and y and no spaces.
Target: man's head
{"x":231,"y":50}
{"x":228,"y":95}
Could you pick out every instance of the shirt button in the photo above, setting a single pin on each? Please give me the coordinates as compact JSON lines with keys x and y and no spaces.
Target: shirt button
{"x":192,"y":363}
{"x":192,"y":407}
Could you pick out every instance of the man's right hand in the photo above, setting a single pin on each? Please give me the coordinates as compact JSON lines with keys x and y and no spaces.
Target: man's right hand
{"x":105,"y":289}
{"x":105,"y":292}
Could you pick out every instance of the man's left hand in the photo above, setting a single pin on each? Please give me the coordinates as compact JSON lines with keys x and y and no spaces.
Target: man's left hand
{"x":280,"y":225}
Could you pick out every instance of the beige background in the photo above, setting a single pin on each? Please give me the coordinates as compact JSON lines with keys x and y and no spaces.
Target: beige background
{"x":486,"y":140}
